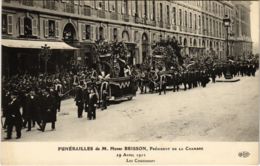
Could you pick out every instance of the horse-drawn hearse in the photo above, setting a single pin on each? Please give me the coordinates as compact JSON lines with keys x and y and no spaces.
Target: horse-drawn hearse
{"x":114,"y":81}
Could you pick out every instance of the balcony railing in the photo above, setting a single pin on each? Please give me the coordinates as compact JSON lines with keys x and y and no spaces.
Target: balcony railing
{"x":50,"y":5}
{"x":27,"y":2}
{"x":114,"y":16}
{"x":151,"y":23}
{"x":125,"y":17}
{"x":87,"y":11}
{"x":138,"y":20}
{"x":101,"y":14}
{"x":69,"y":8}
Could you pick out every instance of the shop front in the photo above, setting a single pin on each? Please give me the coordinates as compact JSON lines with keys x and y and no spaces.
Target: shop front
{"x":34,"y":56}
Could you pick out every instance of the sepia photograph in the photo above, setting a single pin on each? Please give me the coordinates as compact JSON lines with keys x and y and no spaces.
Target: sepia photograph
{"x":129,"y":71}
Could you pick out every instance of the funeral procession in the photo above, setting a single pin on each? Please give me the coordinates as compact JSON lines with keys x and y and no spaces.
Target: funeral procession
{"x":128,"y":70}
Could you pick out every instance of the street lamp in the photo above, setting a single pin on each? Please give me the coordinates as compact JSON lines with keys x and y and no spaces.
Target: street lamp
{"x":227,"y":22}
{"x":45,"y":53}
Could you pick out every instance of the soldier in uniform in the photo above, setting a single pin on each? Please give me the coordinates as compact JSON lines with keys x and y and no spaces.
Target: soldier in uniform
{"x":92,"y":104}
{"x":162,"y":84}
{"x":13,"y":116}
{"x":79,"y":100}
{"x":176,"y":80}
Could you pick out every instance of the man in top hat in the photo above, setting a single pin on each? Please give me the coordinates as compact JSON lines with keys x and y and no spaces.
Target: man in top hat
{"x":48,"y":110}
{"x":13,"y":116}
{"x":5,"y":100}
{"x":86,"y":93}
{"x":31,"y":108}
{"x":79,"y":99}
{"x":92,"y":104}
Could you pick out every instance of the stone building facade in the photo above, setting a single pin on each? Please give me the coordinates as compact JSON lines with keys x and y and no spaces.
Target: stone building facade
{"x":197,"y":25}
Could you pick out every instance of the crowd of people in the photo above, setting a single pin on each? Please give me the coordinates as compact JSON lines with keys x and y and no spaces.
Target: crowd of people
{"x":29,"y":100}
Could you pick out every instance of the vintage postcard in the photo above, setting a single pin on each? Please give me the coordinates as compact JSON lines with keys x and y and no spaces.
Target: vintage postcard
{"x":129,"y":82}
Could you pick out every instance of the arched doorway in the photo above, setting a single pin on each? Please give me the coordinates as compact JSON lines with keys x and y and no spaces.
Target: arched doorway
{"x":69,"y":33}
{"x":195,"y":49}
{"x":69,"y":36}
{"x":185,"y":45}
{"x":145,"y":47}
{"x":195,"y":43}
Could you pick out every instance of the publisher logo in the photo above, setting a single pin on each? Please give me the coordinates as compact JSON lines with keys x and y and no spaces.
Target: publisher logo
{"x":244,"y":154}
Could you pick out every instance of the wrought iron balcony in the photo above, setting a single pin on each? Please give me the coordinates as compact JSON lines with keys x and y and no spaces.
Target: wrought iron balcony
{"x":138,"y":20}
{"x":161,"y":24}
{"x":50,"y":5}
{"x":101,"y":13}
{"x":168,"y":25}
{"x":125,"y":17}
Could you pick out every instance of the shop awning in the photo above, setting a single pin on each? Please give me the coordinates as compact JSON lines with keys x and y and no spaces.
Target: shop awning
{"x":35,"y":44}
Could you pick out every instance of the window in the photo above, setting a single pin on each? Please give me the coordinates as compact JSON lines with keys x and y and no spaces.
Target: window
{"x":195,"y":21}
{"x":210,"y":26}
{"x":145,"y":9}
{"x":185,"y":19}
{"x":88,"y":32}
{"x":101,"y":33}
{"x":190,"y":20}
{"x":180,"y":40}
{"x":49,"y":4}
{"x":4,"y":24}
{"x":203,"y":21}
{"x":153,"y":12}
{"x":161,"y":12}
{"x":174,"y":15}
{"x":51,"y":28}
{"x":199,"y":22}
{"x":27,"y":26}
{"x":125,"y":6}
{"x":207,"y":25}
{"x":168,"y":14}
{"x":112,"y":7}
{"x":136,"y":8}
{"x":115,"y":33}
{"x":10,"y":24}
{"x":180,"y":17}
